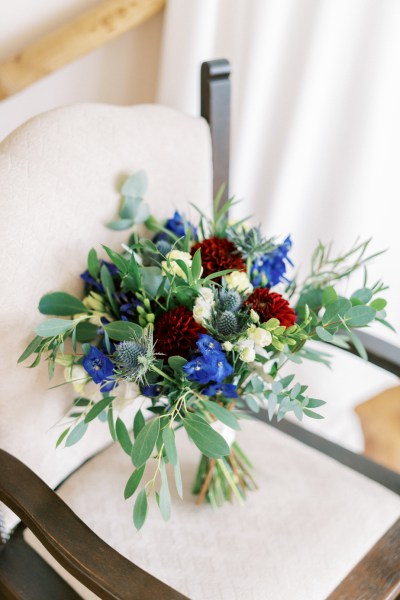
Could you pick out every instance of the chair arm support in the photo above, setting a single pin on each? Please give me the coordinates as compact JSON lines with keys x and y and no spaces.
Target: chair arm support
{"x":76,"y":547}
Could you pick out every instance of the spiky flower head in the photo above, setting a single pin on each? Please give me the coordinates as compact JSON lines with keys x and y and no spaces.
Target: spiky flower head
{"x":227,"y":323}
{"x":133,"y":358}
{"x":250,"y":242}
{"x":229,"y":299}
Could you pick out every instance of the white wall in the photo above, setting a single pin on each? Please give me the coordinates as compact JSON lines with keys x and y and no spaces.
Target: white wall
{"x":122,"y":72}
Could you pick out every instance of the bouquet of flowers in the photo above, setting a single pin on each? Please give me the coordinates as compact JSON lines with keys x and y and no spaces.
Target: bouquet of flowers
{"x":195,"y":325}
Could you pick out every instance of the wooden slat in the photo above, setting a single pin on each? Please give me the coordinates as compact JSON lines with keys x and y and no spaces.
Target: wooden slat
{"x":377,"y":575}
{"x":215,"y":108}
{"x":94,"y":28}
{"x":76,"y":547}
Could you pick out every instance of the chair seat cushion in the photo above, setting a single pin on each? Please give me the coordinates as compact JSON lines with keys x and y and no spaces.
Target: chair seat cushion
{"x":298,"y":536}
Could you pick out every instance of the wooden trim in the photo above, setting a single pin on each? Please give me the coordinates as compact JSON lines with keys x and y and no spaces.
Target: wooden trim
{"x":215,"y":108}
{"x":361,"y":464}
{"x":76,"y":547}
{"x":94,"y":28}
{"x":377,"y":575}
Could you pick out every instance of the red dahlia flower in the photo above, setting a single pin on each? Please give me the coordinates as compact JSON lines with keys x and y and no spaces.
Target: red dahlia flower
{"x":176,"y":332}
{"x":270,"y":305}
{"x":218,"y":254}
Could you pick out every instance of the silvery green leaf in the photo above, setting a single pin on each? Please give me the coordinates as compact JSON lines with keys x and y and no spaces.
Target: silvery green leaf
{"x":359,"y":316}
{"x":168,"y":436}
{"x":53,"y":327}
{"x":272,"y":403}
{"x":208,"y":441}
{"x":152,"y":278}
{"x":120,"y":224}
{"x":165,"y":497}
{"x":140,"y":510}
{"x":133,"y":482}
{"x":145,"y":442}
{"x":178,"y":479}
{"x":135,"y":185}
{"x":222,"y":414}
{"x":76,"y":434}
{"x":323,"y":334}
{"x":123,"y":436}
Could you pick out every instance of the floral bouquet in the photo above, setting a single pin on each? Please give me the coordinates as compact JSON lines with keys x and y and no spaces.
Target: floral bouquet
{"x":195,"y":325}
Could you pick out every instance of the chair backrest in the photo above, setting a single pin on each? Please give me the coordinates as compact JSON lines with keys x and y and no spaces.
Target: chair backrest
{"x":59,"y":176}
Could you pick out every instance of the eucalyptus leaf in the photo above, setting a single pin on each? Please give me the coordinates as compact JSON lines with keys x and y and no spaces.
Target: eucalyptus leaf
{"x":339,"y":307}
{"x":85,"y":331}
{"x":61,"y":304}
{"x":168,"y":437}
{"x":98,"y":408}
{"x":323,"y":334}
{"x":145,"y":442}
{"x":53,"y":327}
{"x":165,"y":497}
{"x":140,"y":510}
{"x":123,"y":436}
{"x":152,"y":278}
{"x":30,"y":349}
{"x":135,"y":185}
{"x":120,"y":224}
{"x":76,"y":434}
{"x":209,"y":442}
{"x":133,"y":482}
{"x":93,"y":263}
{"x":222,"y":414}
{"x":138,"y":423}
{"x":178,"y":479}
{"x":359,"y":316}
{"x":123,"y":330}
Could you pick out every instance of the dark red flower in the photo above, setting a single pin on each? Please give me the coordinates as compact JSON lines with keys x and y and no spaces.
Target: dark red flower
{"x":176,"y":332}
{"x":218,"y":254}
{"x":270,"y":305}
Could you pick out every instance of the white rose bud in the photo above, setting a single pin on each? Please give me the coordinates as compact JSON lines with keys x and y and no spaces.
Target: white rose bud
{"x":247,"y":350}
{"x":78,"y":376}
{"x":255,"y":317}
{"x":260,"y":336}
{"x":228,"y":346}
{"x":171,"y":266}
{"x":239,"y":281}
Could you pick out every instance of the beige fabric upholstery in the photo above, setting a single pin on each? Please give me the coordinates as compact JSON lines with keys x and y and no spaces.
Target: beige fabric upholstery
{"x":59,"y":177}
{"x":297,"y":537}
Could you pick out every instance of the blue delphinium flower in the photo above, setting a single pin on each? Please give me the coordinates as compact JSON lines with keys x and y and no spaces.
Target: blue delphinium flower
{"x":199,"y":369}
{"x":177,"y":226}
{"x":128,"y":304}
{"x":270,"y":268}
{"x":212,"y":365}
{"x":225,"y":389}
{"x":207,"y":345}
{"x":100,"y":368}
{"x":92,"y":283}
{"x":151,"y":390}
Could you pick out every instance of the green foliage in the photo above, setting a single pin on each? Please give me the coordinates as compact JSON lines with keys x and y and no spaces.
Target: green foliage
{"x":133,"y":482}
{"x":145,"y":442}
{"x":209,"y":442}
{"x":123,"y":330}
{"x":54,"y":327}
{"x":221,"y":413}
{"x":98,"y":408}
{"x":140,"y":510}
{"x":61,"y":304}
{"x":123,"y":436}
{"x":168,"y":437}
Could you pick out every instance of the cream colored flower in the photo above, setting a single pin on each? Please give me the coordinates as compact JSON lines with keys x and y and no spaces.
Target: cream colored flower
{"x":77,"y":376}
{"x":255,"y":317}
{"x":260,"y":336}
{"x":171,"y":266}
{"x":203,"y":305}
{"x":94,"y":302}
{"x":239,"y":281}
{"x":247,"y":350}
{"x":228,"y":346}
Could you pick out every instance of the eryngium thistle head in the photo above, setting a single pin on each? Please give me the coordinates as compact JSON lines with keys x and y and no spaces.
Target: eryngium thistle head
{"x":163,"y":247}
{"x":127,"y":354}
{"x":227,"y":323}
{"x":230,"y":300}
{"x":133,"y":358}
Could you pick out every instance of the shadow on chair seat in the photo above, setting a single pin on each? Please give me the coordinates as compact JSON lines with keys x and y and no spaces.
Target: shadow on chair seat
{"x":298,"y":536}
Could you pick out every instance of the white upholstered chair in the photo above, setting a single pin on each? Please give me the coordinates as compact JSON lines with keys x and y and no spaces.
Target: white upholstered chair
{"x":319,"y":510}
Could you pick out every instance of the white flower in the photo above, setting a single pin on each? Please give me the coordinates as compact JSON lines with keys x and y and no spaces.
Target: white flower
{"x":261,"y":337}
{"x":171,"y":266}
{"x":226,"y":432}
{"x":247,"y":350}
{"x":203,"y":305}
{"x":78,"y":376}
{"x":228,"y":346}
{"x":239,"y":281}
{"x":132,"y":391}
{"x":255,"y":317}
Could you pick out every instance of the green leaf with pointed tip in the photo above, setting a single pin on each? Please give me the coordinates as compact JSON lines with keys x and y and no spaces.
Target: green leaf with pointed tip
{"x":312,"y":414}
{"x":209,"y":442}
{"x":323,"y":334}
{"x":133,"y":482}
{"x":178,"y":479}
{"x":61,"y":304}
{"x":165,"y":497}
{"x":145,"y":442}
{"x":85,"y":331}
{"x":176,"y":363}
{"x":62,"y":437}
{"x":93,"y":263}
{"x":152,"y":278}
{"x":76,"y":434}
{"x":98,"y":408}
{"x":140,"y":510}
{"x":222,"y":414}
{"x":138,"y":423}
{"x":123,"y":330}
{"x":53,"y":327}
{"x":168,"y":437}
{"x":196,"y":265}
{"x":123,"y":436}
{"x":30,"y":349}
{"x":329,"y":295}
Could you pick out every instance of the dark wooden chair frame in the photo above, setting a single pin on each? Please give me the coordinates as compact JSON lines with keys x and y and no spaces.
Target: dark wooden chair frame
{"x":26,"y":576}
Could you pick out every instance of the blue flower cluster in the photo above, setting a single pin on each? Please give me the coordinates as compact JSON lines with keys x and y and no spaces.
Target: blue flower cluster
{"x":211,"y":365}
{"x":177,"y":226}
{"x":92,"y":283}
{"x":100,"y":368}
{"x":270,"y":269}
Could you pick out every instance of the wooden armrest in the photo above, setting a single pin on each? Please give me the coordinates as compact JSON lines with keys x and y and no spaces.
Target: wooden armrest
{"x":76,"y":547}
